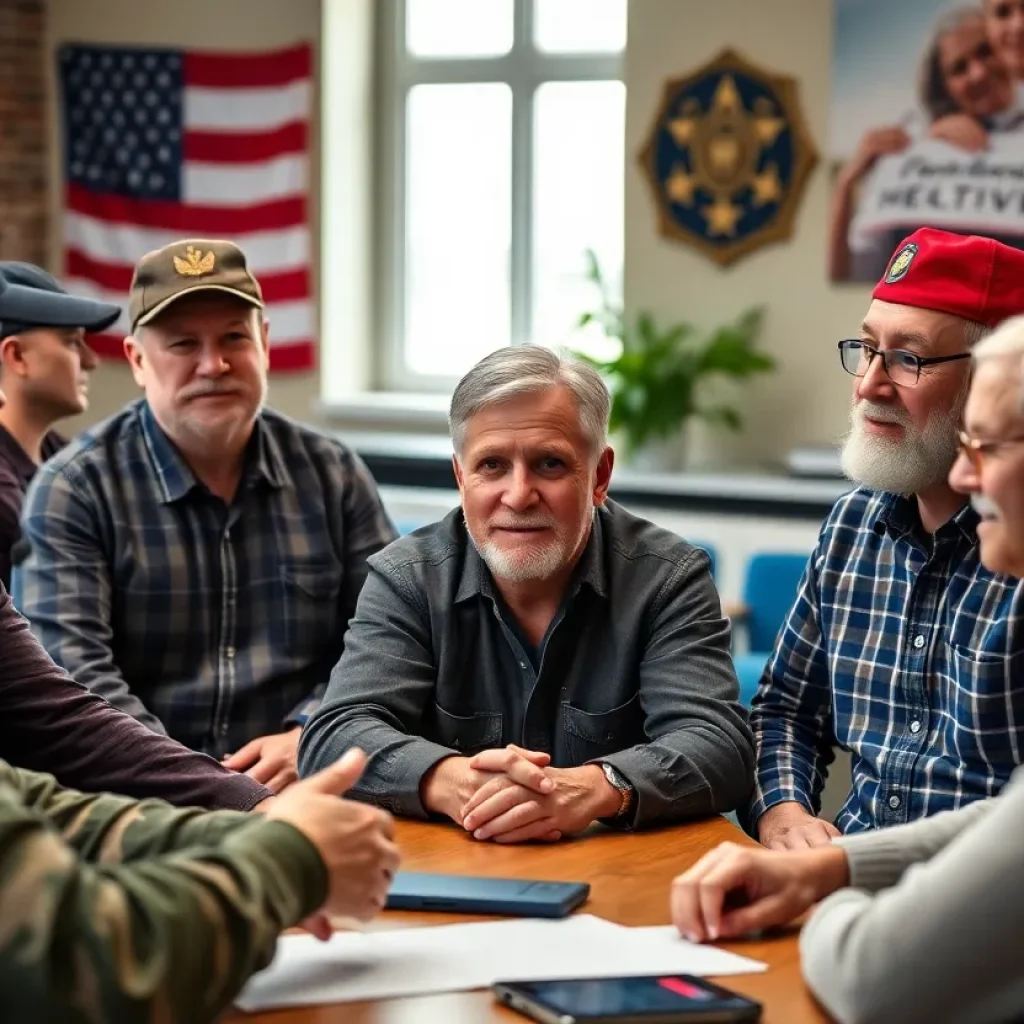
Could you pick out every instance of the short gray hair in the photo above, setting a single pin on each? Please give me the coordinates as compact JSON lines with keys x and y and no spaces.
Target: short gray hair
{"x":1006,"y":341}
{"x":528,"y":370}
{"x":975,"y":333}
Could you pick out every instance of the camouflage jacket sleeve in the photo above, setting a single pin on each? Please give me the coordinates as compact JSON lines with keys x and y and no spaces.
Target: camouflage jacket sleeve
{"x":157,"y":928}
{"x":114,"y":829}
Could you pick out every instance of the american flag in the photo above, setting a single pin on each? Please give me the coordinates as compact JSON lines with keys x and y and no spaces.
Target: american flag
{"x":164,"y":144}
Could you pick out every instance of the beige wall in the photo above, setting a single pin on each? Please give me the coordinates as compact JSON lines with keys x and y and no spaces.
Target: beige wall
{"x":207,"y":24}
{"x":806,"y":401}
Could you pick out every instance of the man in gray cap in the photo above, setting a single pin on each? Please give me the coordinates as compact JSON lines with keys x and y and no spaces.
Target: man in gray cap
{"x":44,"y":370}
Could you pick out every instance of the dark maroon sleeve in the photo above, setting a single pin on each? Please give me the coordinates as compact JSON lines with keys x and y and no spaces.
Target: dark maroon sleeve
{"x":10,"y":527}
{"x":50,"y":723}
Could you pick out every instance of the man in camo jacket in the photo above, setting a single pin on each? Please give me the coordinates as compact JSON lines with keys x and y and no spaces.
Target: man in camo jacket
{"x":118,"y":910}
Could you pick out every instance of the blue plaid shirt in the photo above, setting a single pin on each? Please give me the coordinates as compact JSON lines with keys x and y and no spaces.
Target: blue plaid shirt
{"x":903,"y":649}
{"x":215,"y":623}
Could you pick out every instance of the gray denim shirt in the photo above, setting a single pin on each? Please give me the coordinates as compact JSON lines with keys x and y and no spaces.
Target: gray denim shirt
{"x":635,"y":671}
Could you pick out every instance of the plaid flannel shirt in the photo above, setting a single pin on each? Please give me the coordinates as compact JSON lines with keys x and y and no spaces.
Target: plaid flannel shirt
{"x":215,"y":623}
{"x":903,"y":649}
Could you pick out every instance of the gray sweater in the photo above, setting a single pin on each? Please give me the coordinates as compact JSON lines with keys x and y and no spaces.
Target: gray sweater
{"x":932,"y":927}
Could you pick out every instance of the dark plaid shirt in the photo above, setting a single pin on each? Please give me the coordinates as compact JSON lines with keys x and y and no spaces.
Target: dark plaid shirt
{"x":903,"y":649}
{"x":217,"y":623}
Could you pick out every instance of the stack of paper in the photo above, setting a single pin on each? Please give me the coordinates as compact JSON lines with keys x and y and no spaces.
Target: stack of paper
{"x":419,"y":961}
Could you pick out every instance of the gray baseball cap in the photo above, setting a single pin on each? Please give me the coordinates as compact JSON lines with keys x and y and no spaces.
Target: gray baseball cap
{"x":30,"y":297}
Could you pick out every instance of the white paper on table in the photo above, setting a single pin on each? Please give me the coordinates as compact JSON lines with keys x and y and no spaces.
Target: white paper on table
{"x":354,"y":966}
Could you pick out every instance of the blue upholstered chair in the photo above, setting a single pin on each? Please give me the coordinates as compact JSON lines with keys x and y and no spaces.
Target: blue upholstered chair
{"x":768,"y":593}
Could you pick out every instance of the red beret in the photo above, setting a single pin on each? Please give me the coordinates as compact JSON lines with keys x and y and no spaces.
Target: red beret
{"x":975,"y":278}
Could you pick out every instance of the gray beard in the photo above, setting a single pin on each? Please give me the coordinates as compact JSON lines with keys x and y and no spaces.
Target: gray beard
{"x":917,"y":462}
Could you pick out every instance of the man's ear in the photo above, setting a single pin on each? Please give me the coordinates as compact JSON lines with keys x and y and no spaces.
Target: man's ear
{"x":457,"y":468}
{"x":264,"y":335}
{"x":12,"y":354}
{"x":603,"y":476}
{"x":136,"y":356}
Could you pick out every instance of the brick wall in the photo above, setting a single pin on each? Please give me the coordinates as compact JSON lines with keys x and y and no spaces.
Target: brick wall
{"x":23,"y":131}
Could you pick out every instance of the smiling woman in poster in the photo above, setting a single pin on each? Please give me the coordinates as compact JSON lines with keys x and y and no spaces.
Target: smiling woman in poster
{"x":965,"y":91}
{"x":1004,"y":21}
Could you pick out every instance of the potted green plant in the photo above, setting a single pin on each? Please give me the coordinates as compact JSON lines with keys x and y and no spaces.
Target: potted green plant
{"x":658,"y":378}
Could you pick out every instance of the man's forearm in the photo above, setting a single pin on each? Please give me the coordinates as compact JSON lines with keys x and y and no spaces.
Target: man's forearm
{"x":173,"y":937}
{"x":104,"y":828}
{"x":790,"y":766}
{"x":397,"y":761}
{"x":687,"y":773}
{"x":113,"y":688}
{"x":50,"y":723}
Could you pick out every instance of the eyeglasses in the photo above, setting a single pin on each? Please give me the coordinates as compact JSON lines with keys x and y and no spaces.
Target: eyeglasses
{"x":976,"y":451}
{"x":902,"y":367}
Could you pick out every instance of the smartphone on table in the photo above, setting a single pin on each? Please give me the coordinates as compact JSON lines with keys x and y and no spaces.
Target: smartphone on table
{"x":469,"y":894}
{"x":671,"y":999}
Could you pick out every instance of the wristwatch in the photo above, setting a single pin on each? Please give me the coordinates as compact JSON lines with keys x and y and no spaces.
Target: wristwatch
{"x":616,"y":779}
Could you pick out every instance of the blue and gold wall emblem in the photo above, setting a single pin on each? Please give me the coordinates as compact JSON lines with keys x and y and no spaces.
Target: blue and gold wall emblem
{"x":728,"y":158}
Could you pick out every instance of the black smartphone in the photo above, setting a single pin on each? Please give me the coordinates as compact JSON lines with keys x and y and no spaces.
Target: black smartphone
{"x":673,"y":999}
{"x":469,"y":894}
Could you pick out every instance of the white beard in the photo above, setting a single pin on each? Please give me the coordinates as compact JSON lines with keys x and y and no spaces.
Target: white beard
{"x":530,"y":562}
{"x":917,"y":461}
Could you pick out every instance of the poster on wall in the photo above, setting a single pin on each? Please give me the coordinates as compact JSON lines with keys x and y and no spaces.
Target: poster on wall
{"x":927,"y":126}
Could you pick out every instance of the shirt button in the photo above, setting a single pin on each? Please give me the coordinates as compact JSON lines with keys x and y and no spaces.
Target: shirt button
{"x":919,"y":641}
{"x":915,"y":726}
{"x":230,"y":652}
{"x":894,"y":802}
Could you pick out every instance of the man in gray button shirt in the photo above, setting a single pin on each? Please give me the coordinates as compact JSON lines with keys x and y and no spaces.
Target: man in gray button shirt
{"x":539,"y":659}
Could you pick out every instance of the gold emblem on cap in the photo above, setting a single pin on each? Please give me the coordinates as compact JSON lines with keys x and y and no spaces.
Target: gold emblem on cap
{"x":195,"y":263}
{"x":901,"y":264}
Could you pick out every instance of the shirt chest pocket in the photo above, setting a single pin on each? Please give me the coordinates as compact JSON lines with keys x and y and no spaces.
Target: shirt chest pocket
{"x":311,"y":592}
{"x":593,"y":734}
{"x":468,"y":734}
{"x":985,"y":705}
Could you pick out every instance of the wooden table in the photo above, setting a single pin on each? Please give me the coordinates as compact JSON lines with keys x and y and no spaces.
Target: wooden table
{"x":629,"y":877}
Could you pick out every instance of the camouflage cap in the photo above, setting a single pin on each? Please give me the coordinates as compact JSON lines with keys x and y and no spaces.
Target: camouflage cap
{"x":182,"y":268}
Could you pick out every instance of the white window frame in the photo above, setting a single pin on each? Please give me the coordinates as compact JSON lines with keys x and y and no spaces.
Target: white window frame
{"x":524,"y":68}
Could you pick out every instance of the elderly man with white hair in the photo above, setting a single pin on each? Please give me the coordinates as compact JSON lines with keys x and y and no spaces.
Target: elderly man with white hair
{"x":901,"y":647}
{"x":958,"y":913}
{"x":540,"y":659}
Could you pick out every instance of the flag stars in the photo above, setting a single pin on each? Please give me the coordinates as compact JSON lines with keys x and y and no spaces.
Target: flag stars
{"x":124,"y":120}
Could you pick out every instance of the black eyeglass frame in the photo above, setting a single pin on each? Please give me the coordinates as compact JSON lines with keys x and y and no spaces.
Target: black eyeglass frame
{"x":918,"y":362}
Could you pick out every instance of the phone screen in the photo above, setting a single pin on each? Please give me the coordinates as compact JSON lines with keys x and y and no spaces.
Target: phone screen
{"x":609,"y":997}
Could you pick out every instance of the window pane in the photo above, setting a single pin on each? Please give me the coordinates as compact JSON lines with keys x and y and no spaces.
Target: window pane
{"x":458,"y":225}
{"x":459,"y":28}
{"x":580,"y":26}
{"x":578,"y":204}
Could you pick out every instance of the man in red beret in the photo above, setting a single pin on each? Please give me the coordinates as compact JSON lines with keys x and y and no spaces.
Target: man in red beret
{"x":901,"y":647}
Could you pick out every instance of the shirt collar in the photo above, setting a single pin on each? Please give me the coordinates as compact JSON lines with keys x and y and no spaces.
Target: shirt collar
{"x":590,"y":569}
{"x":264,"y":459}
{"x":898,"y":516}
